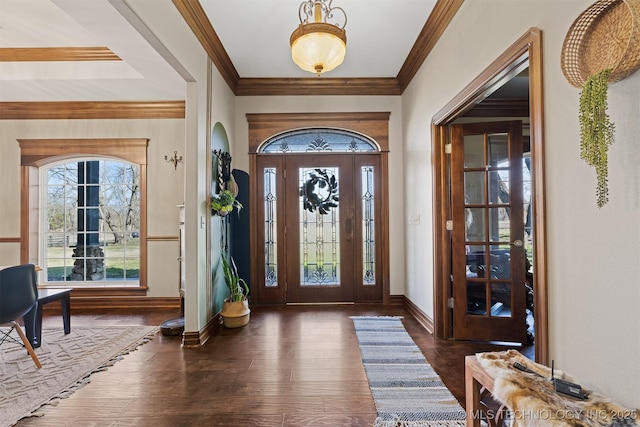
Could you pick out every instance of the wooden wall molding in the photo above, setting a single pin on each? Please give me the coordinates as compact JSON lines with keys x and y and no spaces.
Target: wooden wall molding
{"x":439,"y":19}
{"x":198,"y":338}
{"x":197,"y":19}
{"x":317,"y":86}
{"x":35,"y":54}
{"x":9,"y":239}
{"x":422,"y":317}
{"x":162,"y":238}
{"x":38,"y":152}
{"x":195,"y":16}
{"x":61,"y":110}
{"x":500,"y":107}
{"x":263,"y":126}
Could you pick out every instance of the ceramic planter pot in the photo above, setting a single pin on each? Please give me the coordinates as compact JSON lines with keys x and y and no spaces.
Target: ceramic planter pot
{"x":235,"y":314}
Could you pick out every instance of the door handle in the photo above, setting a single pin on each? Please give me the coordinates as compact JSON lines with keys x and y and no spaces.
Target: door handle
{"x":517,"y":243}
{"x":348,"y":229}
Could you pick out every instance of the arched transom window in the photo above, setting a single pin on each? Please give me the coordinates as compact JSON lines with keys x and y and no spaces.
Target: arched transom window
{"x":319,"y":140}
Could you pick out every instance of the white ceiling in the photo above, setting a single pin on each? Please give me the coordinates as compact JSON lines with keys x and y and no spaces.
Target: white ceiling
{"x":255,"y":34}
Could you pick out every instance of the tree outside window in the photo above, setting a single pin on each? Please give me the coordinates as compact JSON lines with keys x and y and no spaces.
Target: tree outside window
{"x":92,"y":223}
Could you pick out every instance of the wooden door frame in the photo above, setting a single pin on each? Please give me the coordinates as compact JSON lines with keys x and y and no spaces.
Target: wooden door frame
{"x":373,"y":125}
{"x":527,"y":48}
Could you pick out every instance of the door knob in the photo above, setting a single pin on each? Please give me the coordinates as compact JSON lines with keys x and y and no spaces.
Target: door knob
{"x":517,"y":243}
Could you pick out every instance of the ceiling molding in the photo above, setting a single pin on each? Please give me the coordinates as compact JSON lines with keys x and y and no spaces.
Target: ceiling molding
{"x":196,"y":18}
{"x":440,"y":17}
{"x":317,"y":86}
{"x":500,"y":108}
{"x":33,"y":54}
{"x":92,"y":110}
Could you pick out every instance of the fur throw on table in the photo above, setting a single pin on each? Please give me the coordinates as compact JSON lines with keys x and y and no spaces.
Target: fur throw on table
{"x":533,"y":401}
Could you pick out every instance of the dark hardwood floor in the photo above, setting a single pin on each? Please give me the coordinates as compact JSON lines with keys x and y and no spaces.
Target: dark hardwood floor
{"x":291,"y":366}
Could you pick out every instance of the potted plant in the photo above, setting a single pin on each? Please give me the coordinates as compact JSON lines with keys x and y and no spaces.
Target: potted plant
{"x":224,"y":202}
{"x":235,"y":310}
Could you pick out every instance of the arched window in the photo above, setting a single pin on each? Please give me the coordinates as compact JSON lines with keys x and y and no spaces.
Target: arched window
{"x":84,"y":212}
{"x":319,"y":140}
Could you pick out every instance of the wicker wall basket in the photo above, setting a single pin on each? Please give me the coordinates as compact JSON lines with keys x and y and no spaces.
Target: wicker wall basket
{"x":605,"y":36}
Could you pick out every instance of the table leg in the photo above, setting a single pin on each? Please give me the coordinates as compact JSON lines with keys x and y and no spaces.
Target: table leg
{"x":37,"y":340}
{"x":472,"y":396}
{"x":66,"y":313}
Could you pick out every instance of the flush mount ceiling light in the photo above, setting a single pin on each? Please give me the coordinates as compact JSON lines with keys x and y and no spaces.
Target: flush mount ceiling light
{"x":317,"y":45}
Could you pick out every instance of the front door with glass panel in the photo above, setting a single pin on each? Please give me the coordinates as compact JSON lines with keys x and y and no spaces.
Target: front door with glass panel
{"x":319,"y":229}
{"x":321,"y":222}
{"x":488,"y":252}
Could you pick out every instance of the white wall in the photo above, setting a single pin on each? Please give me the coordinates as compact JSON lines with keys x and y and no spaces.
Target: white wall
{"x":593,"y":254}
{"x":317,"y":104}
{"x":164,"y":20}
{"x":164,"y":184}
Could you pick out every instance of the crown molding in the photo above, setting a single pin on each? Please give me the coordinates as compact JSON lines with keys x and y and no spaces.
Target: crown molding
{"x":500,"y":107}
{"x":92,"y":110}
{"x":317,"y":86}
{"x":197,"y":19}
{"x":438,"y":21}
{"x":36,"y":54}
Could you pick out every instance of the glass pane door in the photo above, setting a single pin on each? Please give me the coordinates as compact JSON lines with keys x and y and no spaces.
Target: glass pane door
{"x":488,"y":232}
{"x":320,"y":226}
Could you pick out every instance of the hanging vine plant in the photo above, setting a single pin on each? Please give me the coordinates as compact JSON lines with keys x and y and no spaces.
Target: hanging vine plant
{"x":600,"y":48}
{"x":596,"y":130}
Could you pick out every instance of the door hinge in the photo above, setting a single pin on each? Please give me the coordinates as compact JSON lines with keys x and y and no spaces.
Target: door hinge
{"x":447,"y":148}
{"x":450,"y":302}
{"x":449,"y":225}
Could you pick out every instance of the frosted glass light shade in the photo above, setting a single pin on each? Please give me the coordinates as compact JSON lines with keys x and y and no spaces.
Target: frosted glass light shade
{"x":318,"y":47}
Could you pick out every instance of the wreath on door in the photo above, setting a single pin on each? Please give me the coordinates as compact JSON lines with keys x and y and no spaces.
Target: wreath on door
{"x":320,"y":192}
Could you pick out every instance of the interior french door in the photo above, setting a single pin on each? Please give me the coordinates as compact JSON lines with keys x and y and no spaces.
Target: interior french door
{"x":321,"y":226}
{"x":488,"y":254}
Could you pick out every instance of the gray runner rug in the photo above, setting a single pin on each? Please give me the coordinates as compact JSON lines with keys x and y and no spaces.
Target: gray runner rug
{"x":67,"y":362}
{"x":406,"y":390}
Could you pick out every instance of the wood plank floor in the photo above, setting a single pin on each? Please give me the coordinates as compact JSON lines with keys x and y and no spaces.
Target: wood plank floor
{"x":291,"y":366}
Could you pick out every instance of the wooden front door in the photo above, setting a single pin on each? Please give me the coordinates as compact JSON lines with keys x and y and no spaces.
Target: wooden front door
{"x":322,"y":225}
{"x":488,"y":253}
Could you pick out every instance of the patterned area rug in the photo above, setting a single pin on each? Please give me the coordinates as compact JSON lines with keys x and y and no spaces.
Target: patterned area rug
{"x":67,"y":362}
{"x":405,"y":388}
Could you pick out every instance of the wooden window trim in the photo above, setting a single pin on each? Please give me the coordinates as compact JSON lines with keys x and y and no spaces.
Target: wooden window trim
{"x":35,"y":153}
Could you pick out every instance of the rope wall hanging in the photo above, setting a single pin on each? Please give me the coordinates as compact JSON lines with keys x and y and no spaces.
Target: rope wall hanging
{"x":601,"y":47}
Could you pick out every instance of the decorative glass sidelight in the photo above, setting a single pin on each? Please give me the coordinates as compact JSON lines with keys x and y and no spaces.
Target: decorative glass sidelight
{"x":270,"y":229}
{"x":319,"y":227}
{"x":368,"y":227}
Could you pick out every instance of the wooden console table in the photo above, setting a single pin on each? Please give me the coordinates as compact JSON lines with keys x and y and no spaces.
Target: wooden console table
{"x":33,"y":322}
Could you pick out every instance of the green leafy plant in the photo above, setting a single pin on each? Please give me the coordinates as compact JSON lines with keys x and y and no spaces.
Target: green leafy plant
{"x":238,"y":288}
{"x":596,"y":130}
{"x":224,"y":202}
